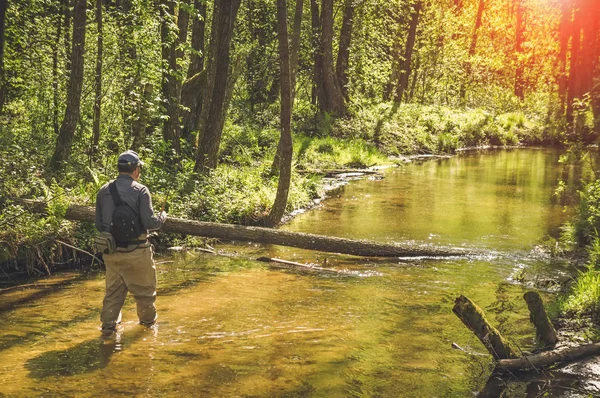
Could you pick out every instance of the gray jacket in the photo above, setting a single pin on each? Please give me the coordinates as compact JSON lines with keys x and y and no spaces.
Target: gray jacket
{"x":135,"y":195}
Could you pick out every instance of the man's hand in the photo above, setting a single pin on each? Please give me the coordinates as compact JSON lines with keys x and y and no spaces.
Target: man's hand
{"x":163,"y":215}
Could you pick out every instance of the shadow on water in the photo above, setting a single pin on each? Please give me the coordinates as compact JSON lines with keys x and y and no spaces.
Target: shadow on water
{"x":533,"y":384}
{"x":41,"y":291}
{"x":85,"y":357}
{"x":11,"y":340}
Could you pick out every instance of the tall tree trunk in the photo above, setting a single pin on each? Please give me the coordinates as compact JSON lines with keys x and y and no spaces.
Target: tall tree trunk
{"x":170,"y":89}
{"x":75,"y":84}
{"x":335,"y":103}
{"x":3,"y":7}
{"x":198,"y":32}
{"x":55,"y":55}
{"x":564,"y":36}
{"x":318,"y":92}
{"x":390,"y":87}
{"x":139,"y":127}
{"x":295,"y":45}
{"x":478,"y":23}
{"x":573,"y":84}
{"x":458,"y":6}
{"x":519,"y":39}
{"x":191,"y":94}
{"x":415,"y":79}
{"x":341,"y":67}
{"x":594,"y":42}
{"x":235,"y":70}
{"x":258,"y":74}
{"x":410,"y":44}
{"x":472,"y":50}
{"x":67,"y":33}
{"x":183,"y":23}
{"x":596,"y":98}
{"x":589,"y":27}
{"x":98,"y":97}
{"x":294,"y":54}
{"x":138,"y":94}
{"x":285,"y":172}
{"x":129,"y":63}
{"x":214,"y":94}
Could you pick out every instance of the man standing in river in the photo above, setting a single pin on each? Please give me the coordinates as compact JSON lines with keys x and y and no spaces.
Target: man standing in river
{"x":130,"y":268}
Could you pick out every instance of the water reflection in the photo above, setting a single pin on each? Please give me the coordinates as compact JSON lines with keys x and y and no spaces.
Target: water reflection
{"x":498,"y":200}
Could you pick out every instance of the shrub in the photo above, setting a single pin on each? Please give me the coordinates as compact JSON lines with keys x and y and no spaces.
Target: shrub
{"x":241,"y":195}
{"x":587,"y":221}
{"x":585,"y":295}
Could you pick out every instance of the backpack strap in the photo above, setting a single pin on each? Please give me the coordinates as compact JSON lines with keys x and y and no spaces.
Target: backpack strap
{"x":115,"y":193}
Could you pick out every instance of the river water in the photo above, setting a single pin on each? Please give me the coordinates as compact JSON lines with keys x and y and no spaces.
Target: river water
{"x":235,"y":327}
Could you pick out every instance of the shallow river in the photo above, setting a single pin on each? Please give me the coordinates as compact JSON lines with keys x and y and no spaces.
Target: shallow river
{"x":231,"y":326}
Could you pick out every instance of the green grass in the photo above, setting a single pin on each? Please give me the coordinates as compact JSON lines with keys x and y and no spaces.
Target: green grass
{"x":330,"y":152}
{"x":584,"y":299}
{"x":241,"y":195}
{"x":413,"y":128}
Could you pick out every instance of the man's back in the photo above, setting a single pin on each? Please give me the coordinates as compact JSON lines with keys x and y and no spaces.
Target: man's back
{"x":134,"y":194}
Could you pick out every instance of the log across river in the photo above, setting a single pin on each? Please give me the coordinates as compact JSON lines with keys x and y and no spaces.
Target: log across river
{"x":274,"y":236}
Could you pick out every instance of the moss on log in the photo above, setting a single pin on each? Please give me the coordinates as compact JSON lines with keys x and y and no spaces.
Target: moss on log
{"x":545,"y":330}
{"x":474,"y":318}
{"x":273,"y":236}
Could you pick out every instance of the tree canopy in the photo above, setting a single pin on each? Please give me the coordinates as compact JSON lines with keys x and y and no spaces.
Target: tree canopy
{"x":81,"y":80}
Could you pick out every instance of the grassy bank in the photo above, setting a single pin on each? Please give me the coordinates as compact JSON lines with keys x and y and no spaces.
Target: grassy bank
{"x":582,"y":301}
{"x":241,"y":189}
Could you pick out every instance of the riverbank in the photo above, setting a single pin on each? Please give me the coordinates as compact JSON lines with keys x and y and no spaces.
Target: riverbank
{"x":241,"y":189}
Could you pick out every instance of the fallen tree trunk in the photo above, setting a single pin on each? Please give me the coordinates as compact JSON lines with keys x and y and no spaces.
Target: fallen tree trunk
{"x":506,"y":359}
{"x":545,"y":330}
{"x":474,"y":318}
{"x":272,"y":236}
{"x":547,"y":358}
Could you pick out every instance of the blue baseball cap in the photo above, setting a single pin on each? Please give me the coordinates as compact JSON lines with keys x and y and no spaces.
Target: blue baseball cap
{"x":130,"y":157}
